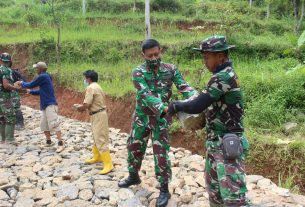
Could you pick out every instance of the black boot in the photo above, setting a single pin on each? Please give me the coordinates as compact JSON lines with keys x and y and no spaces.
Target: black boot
{"x":19,"y":120}
{"x":133,"y":179}
{"x":164,"y":196}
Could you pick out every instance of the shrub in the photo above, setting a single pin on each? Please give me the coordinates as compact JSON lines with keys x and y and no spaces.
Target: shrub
{"x":166,"y":5}
{"x":6,"y":3}
{"x":33,"y":18}
{"x":266,"y":112}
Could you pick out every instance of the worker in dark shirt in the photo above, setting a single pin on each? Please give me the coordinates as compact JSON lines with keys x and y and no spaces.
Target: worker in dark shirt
{"x":48,"y":105}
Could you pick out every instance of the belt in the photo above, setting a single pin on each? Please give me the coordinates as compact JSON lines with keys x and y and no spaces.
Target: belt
{"x":94,"y":112}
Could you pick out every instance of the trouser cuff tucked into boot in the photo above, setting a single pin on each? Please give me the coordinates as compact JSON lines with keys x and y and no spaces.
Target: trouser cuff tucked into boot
{"x":132,"y":179}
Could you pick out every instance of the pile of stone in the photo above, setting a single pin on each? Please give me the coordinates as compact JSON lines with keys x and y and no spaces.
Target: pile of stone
{"x":33,"y":175}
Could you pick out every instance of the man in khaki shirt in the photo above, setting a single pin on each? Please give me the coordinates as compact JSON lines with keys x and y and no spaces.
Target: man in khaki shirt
{"x":95,"y":103}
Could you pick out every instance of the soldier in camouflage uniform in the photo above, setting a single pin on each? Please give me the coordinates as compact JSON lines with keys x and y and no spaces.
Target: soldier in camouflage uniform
{"x":223,"y":100}
{"x":7,"y":109}
{"x":153,"y":81}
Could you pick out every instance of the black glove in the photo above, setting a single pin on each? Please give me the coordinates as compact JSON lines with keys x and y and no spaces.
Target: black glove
{"x":173,"y":108}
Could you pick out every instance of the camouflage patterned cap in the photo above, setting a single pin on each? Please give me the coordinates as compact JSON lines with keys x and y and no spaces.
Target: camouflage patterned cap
{"x":5,"y":57}
{"x":214,"y":44}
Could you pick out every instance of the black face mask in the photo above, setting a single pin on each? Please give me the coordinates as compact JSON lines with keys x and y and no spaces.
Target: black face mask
{"x":153,"y":63}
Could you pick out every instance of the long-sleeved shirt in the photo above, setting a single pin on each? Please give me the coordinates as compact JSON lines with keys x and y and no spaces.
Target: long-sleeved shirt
{"x":45,"y":91}
{"x":224,"y":100}
{"x":154,"y":89}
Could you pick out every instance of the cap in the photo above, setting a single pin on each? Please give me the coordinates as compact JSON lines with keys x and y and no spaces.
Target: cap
{"x":214,"y":44}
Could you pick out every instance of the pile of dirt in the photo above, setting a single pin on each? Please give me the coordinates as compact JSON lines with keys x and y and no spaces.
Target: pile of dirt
{"x":20,"y":54}
{"x":198,"y":25}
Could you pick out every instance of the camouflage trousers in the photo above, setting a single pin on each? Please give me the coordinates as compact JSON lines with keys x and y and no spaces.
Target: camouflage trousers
{"x":7,"y":110}
{"x":225,"y":179}
{"x":17,"y":105}
{"x":16,"y":100}
{"x":144,"y":127}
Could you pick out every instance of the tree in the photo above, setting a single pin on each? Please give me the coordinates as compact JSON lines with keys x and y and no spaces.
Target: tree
{"x":84,"y":7}
{"x":298,"y":10}
{"x":147,"y":20}
{"x":250,"y":3}
{"x":269,"y":2}
{"x":134,"y":9}
{"x":56,"y":21}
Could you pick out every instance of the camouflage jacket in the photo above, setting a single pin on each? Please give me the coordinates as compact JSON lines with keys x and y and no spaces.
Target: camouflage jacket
{"x":154,"y":89}
{"x":225,"y":115}
{"x":5,"y":73}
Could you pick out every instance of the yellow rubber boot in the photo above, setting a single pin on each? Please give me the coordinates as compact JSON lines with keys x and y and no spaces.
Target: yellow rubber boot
{"x":106,"y":159}
{"x":96,"y":156}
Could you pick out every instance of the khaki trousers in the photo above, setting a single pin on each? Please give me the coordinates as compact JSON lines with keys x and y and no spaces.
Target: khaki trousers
{"x":49,"y":119}
{"x":100,"y":130}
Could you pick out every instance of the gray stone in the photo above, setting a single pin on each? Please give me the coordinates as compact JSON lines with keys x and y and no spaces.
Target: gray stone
{"x":84,"y":185}
{"x":24,"y":202}
{"x":45,"y":201}
{"x":86,"y":194}
{"x":37,"y":167}
{"x":131,"y":202}
{"x":281,"y":191}
{"x":125,"y":193}
{"x":5,"y":204}
{"x":3,"y":195}
{"x":95,"y":200}
{"x":186,"y":197}
{"x":172,"y":203}
{"x":12,"y":192}
{"x":189,"y":181}
{"x":70,"y":191}
{"x":21,"y":150}
{"x":114,"y":198}
{"x":4,"y":180}
{"x":9,"y":185}
{"x":200,"y":180}
{"x":77,"y":203}
{"x":264,"y":183}
{"x":298,"y":199}
{"x":253,"y":178}
{"x":143,"y":193}
{"x":45,"y":174}
{"x":103,"y":193}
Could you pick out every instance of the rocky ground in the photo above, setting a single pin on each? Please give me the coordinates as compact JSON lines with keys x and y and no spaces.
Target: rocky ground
{"x":34,"y":175}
